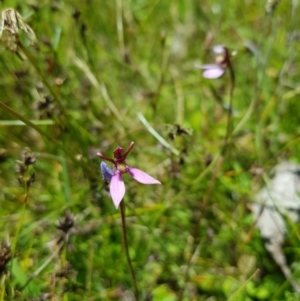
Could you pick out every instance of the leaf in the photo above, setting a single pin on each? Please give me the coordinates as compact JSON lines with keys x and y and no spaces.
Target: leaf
{"x":21,"y":278}
{"x":163,"y":293}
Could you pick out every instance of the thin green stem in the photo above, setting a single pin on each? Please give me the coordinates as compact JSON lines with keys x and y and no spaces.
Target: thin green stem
{"x":223,"y":151}
{"x":99,"y":85}
{"x":44,"y":134}
{"x":63,"y":260}
{"x":216,"y":170}
{"x":229,"y":115}
{"x":20,"y":224}
{"x":89,"y":266}
{"x":43,"y":77}
{"x":125,"y":242}
{"x":164,"y":66}
{"x":242,"y":287}
{"x":2,"y":288}
{"x":120,"y":30}
{"x":29,"y":123}
{"x":180,"y":99}
{"x":207,"y":196}
{"x":156,"y":134}
{"x":43,"y":266}
{"x":192,"y":261}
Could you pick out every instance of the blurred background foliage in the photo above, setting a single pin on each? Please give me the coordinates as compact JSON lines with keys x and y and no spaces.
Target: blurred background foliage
{"x":105,"y":73}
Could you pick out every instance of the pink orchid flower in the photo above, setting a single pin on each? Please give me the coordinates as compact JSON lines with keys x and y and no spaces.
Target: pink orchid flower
{"x":217,"y":69}
{"x":117,"y":186}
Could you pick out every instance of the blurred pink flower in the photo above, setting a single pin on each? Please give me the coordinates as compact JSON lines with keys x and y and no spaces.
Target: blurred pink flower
{"x":117,"y":186}
{"x":217,"y":69}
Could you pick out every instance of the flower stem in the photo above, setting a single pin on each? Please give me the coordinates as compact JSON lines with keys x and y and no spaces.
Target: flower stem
{"x":216,"y":170}
{"x":229,"y":116}
{"x":125,"y":242}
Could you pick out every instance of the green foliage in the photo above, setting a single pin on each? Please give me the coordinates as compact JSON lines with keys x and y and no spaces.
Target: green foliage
{"x":96,"y":71}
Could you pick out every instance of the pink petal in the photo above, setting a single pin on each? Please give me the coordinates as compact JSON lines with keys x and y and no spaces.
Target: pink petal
{"x":213,"y":73}
{"x":218,"y":49}
{"x":117,"y":189}
{"x":142,"y":177}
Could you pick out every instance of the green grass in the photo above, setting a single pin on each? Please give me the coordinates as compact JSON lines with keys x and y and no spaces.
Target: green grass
{"x":120,"y":71}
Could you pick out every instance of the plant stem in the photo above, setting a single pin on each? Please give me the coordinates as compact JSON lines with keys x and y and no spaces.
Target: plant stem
{"x":43,"y":77}
{"x":229,"y":116}
{"x":43,"y":133}
{"x":223,"y":152}
{"x":120,"y":30}
{"x":20,"y":224}
{"x":63,"y":260}
{"x":216,"y":170}
{"x":192,"y":260}
{"x":2,"y":284}
{"x":43,"y":266}
{"x":125,"y":242}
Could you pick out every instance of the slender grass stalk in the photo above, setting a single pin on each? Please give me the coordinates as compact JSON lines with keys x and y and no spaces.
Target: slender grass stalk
{"x":57,"y":98}
{"x":120,"y":30}
{"x":20,"y":224}
{"x":157,"y":135}
{"x":207,"y":196}
{"x":192,"y":260}
{"x":65,"y":177}
{"x":180,"y":100}
{"x":43,"y":77}
{"x":216,"y":170}
{"x":99,"y":85}
{"x":2,"y":287}
{"x":43,"y":266}
{"x":223,"y":152}
{"x":164,"y":60}
{"x":242,"y":287}
{"x":44,"y":134}
{"x":21,"y":123}
{"x":63,"y":260}
{"x":229,"y":115}
{"x":29,"y":123}
{"x":126,"y":247}
{"x":21,"y":221}
{"x":89,"y":267}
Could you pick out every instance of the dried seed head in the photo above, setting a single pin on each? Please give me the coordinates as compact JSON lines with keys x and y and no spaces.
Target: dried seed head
{"x":10,"y":24}
{"x":177,"y":130}
{"x":45,"y":108}
{"x":3,"y":155}
{"x":66,"y":271}
{"x":26,"y":174}
{"x":28,"y":158}
{"x":5,"y":256}
{"x":30,"y":179}
{"x":66,"y":223}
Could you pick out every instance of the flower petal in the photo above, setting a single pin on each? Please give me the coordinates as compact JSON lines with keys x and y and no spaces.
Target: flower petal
{"x":141,"y":176}
{"x":117,"y":189}
{"x":214,"y":73}
{"x":218,"y":49}
{"x":106,"y":171}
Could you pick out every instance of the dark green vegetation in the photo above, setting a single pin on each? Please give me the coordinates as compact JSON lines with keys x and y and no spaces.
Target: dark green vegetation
{"x":96,"y":71}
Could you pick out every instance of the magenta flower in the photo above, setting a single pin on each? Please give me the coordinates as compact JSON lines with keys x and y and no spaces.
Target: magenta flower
{"x":117,"y":186}
{"x":222,"y":61}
